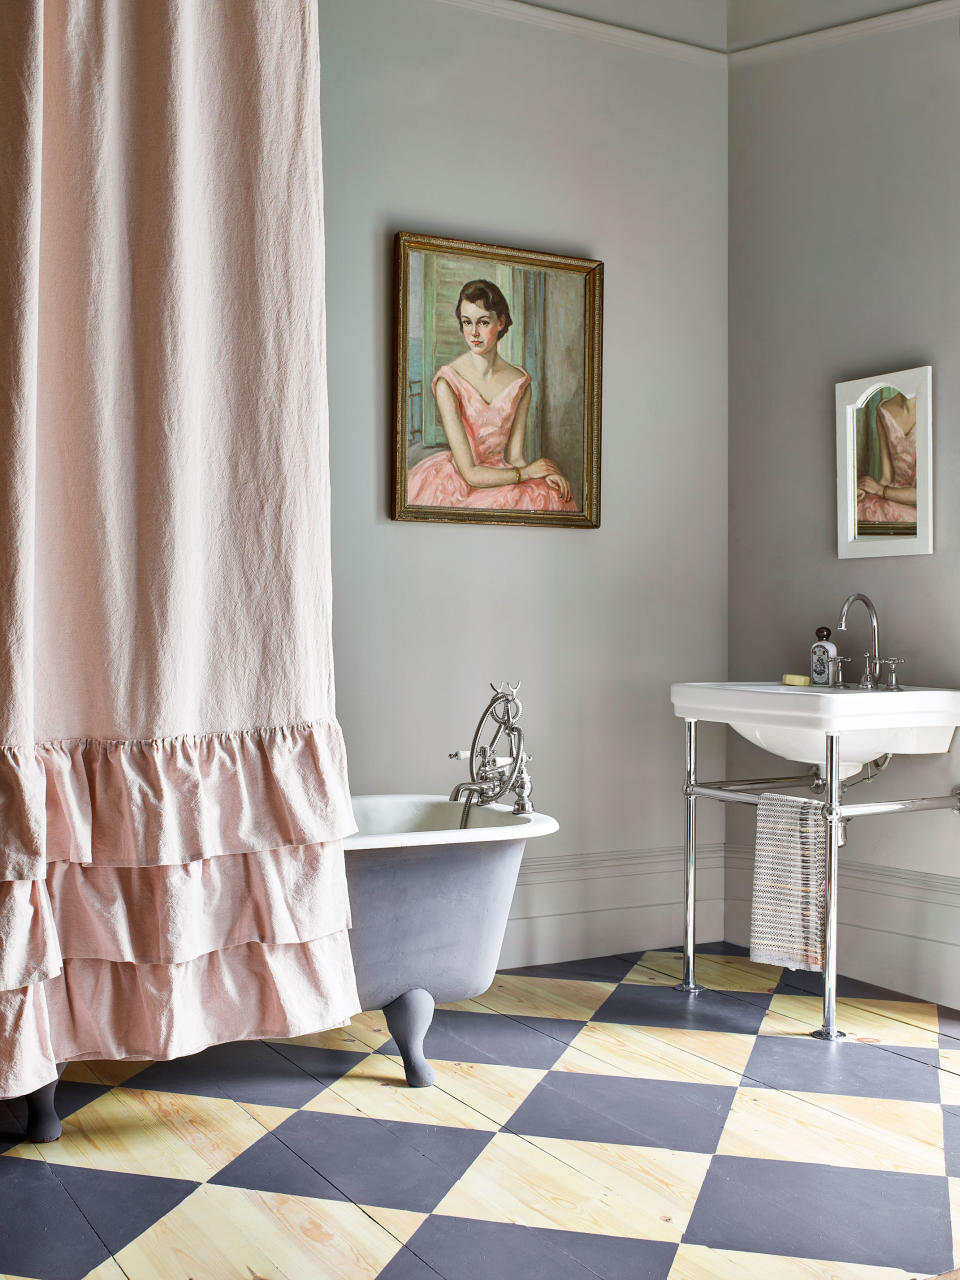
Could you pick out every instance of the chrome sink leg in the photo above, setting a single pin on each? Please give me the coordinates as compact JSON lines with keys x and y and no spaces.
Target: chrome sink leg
{"x":834,"y":824}
{"x":689,"y":984}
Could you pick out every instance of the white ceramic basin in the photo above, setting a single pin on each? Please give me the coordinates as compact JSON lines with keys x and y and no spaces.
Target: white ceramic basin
{"x":793,"y":722}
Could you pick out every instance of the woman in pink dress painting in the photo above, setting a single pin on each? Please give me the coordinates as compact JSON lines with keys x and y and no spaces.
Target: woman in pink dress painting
{"x":483,"y":402}
{"x":891,"y":497}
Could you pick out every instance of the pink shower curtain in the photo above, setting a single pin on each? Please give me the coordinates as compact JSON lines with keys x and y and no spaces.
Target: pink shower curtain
{"x":172,"y":776}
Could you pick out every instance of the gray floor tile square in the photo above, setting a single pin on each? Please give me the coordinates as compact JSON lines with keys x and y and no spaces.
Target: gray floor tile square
{"x":43,"y":1234}
{"x":804,"y":1065}
{"x":664,"y":1007}
{"x":459,"y":1036}
{"x":465,"y":1249}
{"x":645,"y":1113}
{"x":804,"y":1210}
{"x":270,"y":1165}
{"x":247,"y":1071}
{"x":399,"y":1166}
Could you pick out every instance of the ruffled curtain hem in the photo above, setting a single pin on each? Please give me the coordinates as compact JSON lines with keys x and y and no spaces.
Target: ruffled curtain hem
{"x":101,"y":1010}
{"x":160,"y":896}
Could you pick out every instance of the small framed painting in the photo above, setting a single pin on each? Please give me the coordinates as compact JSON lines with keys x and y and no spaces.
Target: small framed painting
{"x":885,"y":465}
{"x":498,"y":384}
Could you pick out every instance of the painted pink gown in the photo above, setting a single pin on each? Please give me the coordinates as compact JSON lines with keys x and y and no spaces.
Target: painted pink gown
{"x":436,"y":482}
{"x":903,"y":455}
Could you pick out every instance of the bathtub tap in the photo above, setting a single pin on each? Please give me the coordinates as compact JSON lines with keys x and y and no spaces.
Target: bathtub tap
{"x":492,"y":776}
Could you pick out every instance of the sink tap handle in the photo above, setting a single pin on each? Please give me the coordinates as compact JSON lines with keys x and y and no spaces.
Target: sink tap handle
{"x":458,"y":755}
{"x":893,"y":684}
{"x":869,"y":678}
{"x":836,"y":662}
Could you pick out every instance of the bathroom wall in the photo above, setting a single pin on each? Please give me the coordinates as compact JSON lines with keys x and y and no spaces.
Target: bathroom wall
{"x":844,"y":208}
{"x":459,"y":119}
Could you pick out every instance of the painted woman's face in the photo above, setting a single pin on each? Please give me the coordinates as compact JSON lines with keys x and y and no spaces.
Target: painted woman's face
{"x":480,"y":329}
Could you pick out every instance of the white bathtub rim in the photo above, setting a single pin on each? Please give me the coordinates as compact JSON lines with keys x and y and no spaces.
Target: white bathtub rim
{"x":506,"y":825}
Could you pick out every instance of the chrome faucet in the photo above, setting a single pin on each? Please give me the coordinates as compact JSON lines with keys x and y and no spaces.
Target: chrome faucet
{"x":492,"y":776}
{"x":871,"y":671}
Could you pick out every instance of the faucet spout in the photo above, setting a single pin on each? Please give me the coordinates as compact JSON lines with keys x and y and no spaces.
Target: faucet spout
{"x":476,"y":789}
{"x":871,"y":672}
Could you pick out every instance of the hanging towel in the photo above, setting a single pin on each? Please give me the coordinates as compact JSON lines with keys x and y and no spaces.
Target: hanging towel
{"x":789,"y":883}
{"x":173,"y":785}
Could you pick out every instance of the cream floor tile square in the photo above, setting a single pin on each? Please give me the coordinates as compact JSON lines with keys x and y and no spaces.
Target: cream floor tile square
{"x":106,"y":1271}
{"x":720,"y":973}
{"x":401,"y":1223}
{"x":23,"y":1151}
{"x":695,"y":1262}
{"x":895,"y":1022}
{"x":950,"y":1076}
{"x":269,"y":1117}
{"x":493,"y":1091}
{"x":220,"y":1232}
{"x":80,"y":1073}
{"x":378,"y":1089}
{"x":658,"y":1053}
{"x":637,"y":1192}
{"x":93,"y":1071}
{"x":645,"y":975}
{"x":165,"y":1134}
{"x":331,"y":1104}
{"x":858,"y":1133}
{"x":541,"y":997}
{"x":366,"y":1031}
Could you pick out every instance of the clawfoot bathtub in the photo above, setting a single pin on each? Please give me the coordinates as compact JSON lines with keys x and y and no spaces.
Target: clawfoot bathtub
{"x":430,"y":905}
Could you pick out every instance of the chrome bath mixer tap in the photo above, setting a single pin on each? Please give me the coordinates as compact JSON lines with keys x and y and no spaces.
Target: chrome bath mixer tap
{"x":492,"y":775}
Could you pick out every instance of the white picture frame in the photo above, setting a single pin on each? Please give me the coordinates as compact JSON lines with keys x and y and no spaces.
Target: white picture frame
{"x":874,"y":465}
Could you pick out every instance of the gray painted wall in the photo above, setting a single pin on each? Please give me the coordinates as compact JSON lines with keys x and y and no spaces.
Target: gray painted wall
{"x":844,"y":208}
{"x":444,"y":120}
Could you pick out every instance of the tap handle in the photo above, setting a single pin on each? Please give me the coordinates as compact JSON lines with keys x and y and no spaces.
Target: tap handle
{"x":836,"y":669}
{"x":869,"y":678}
{"x":458,"y":755}
{"x":892,"y":663}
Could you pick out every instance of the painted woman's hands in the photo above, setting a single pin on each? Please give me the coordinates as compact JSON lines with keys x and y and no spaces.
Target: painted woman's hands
{"x":544,"y":469}
{"x":869,"y":485}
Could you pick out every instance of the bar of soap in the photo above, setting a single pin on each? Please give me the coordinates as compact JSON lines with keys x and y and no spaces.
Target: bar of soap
{"x":802,"y":680}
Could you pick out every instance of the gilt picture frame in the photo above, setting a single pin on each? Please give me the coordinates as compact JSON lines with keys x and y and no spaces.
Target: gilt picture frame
{"x":498,"y":384}
{"x":885,"y":464}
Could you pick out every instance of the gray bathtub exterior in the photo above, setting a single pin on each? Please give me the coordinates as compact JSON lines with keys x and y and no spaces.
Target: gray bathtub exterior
{"x":431,"y":916}
{"x":429,"y":920}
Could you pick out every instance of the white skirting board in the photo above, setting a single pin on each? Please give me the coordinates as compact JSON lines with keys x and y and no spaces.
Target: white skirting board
{"x":897,"y":928}
{"x":570,"y":907}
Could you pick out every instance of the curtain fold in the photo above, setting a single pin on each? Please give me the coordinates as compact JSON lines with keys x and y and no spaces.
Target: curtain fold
{"x":173,"y":784}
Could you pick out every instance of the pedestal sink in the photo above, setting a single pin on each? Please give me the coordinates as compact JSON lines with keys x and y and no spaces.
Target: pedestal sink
{"x":838,"y":729}
{"x":794,"y":722}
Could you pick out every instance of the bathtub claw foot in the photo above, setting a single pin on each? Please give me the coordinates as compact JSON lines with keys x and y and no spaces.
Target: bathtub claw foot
{"x":408,"y":1021}
{"x":43,"y":1123}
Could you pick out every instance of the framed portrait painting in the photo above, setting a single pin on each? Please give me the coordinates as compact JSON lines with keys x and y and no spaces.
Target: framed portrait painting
{"x":498,"y":384}
{"x":885,"y":465}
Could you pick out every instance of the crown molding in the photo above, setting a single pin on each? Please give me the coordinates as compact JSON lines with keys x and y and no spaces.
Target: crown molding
{"x":591,"y":29}
{"x":936,"y":11}
{"x":608,"y":33}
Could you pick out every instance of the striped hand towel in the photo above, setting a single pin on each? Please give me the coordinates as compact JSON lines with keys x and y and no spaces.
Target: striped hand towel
{"x":789,"y":883}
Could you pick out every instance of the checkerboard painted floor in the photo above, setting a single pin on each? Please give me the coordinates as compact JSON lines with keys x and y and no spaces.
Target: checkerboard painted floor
{"x":588,"y":1122}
